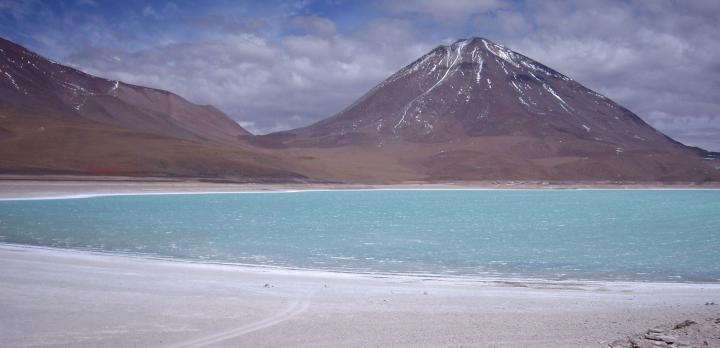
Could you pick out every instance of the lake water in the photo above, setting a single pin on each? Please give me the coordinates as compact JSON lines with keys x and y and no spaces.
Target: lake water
{"x":638,"y":235}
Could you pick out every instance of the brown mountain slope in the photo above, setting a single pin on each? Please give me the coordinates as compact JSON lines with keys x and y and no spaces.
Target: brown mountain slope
{"x":55,"y":119}
{"x":39,"y":145}
{"x":477,"y":110}
{"x":36,"y":86}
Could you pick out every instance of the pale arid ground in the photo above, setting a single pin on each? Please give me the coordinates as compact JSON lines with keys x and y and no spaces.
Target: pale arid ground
{"x":22,"y":186}
{"x":53,"y":297}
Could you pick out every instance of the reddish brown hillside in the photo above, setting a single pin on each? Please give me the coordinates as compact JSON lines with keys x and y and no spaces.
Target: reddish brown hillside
{"x":477,"y":110}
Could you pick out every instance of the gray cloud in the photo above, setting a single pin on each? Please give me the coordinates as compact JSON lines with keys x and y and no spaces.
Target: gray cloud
{"x":267,"y":85}
{"x":658,"y":58}
{"x":19,"y":9}
{"x":313,"y":24}
{"x":230,"y":25}
{"x":443,"y":9}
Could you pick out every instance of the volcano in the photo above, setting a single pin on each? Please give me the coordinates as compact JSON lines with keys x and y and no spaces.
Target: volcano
{"x":478,"y":110}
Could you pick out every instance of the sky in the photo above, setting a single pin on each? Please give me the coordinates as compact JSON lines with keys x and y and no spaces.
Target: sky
{"x":276,"y":65}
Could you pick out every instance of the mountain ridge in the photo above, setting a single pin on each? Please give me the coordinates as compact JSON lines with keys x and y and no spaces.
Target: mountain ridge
{"x":470,"y":110}
{"x":453,"y":52}
{"x":478,"y":110}
{"x":57,"y":119}
{"x":41,"y":86}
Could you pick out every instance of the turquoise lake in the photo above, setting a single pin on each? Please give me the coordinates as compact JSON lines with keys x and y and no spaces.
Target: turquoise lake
{"x":635,"y":235}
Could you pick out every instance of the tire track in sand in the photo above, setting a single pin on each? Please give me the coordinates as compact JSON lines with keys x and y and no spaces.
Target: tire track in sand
{"x":296,"y":307}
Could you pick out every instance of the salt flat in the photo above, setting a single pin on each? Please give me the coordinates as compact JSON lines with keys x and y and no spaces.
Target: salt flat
{"x":32,"y":187}
{"x":52,"y":297}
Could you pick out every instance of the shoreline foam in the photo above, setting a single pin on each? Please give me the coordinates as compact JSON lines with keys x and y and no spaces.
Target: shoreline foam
{"x":249,"y":267}
{"x":369,"y":189}
{"x":32,"y":188}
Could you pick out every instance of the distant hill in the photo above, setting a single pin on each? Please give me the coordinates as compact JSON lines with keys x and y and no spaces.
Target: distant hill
{"x":56,"y":119}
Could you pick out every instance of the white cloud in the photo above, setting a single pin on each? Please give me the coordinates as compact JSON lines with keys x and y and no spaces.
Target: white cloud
{"x":20,"y":9}
{"x":445,"y":9}
{"x":313,"y":24}
{"x":274,"y":84}
{"x":149,"y":11}
{"x":650,"y":56}
{"x":248,"y":125}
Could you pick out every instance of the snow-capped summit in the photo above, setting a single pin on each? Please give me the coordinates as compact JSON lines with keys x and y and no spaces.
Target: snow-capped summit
{"x":477,"y":109}
{"x":477,"y":87}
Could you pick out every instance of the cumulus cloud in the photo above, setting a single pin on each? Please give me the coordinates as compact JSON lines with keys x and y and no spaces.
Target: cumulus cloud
{"x":269,"y":85}
{"x":290,"y":65}
{"x":230,"y":25}
{"x":443,"y":9}
{"x":149,"y":11}
{"x":655,"y":58}
{"x":313,"y":24}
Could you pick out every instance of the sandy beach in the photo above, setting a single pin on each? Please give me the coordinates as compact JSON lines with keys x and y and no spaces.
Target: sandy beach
{"x":52,"y":297}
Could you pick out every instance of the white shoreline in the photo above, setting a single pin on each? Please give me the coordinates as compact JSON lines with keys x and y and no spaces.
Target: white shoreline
{"x":297,"y":271}
{"x":369,"y":189}
{"x":360,"y":274}
{"x":73,"y":298}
